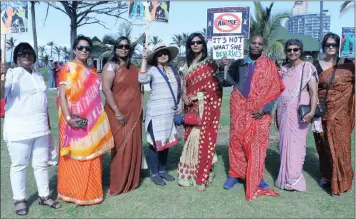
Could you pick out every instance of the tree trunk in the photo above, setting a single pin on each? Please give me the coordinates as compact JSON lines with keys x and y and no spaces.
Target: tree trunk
{"x":73,"y":34}
{"x":34,"y":32}
{"x":12,"y":50}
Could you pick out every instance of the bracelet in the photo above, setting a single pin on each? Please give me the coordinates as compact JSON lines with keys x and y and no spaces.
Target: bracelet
{"x":115,"y":107}
{"x":68,"y":118}
{"x":142,"y":72}
{"x":119,"y":115}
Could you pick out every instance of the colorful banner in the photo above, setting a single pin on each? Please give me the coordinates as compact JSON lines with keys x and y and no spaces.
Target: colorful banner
{"x":149,"y":10}
{"x":230,"y":46}
{"x":228,"y":21}
{"x":14,"y":17}
{"x":347,"y":45}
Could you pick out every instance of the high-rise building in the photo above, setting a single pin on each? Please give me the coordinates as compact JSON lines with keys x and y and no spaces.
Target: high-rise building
{"x":300,"y":7}
{"x":308,"y":24}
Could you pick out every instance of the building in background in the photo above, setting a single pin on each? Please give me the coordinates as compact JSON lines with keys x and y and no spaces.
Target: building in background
{"x":308,"y":24}
{"x":300,"y":7}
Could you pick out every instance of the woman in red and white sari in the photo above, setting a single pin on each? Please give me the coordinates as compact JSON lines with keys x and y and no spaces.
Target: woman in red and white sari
{"x":202,"y":97}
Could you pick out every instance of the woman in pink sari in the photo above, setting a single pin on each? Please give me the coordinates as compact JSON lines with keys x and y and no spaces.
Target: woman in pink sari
{"x":297,"y":75}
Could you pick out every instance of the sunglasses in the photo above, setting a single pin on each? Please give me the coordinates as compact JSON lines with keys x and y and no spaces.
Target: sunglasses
{"x":81,"y":48}
{"x":123,"y":46}
{"x":162,"y":53}
{"x":328,"y":45}
{"x":294,"y":50}
{"x":25,"y":53}
{"x":198,"y":42}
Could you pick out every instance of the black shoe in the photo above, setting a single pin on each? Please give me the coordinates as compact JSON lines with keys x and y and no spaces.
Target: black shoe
{"x":158,"y":180}
{"x":166,"y":176}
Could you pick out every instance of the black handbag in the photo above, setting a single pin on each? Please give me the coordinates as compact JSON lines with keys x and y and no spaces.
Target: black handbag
{"x":82,"y":123}
{"x":321,"y":107}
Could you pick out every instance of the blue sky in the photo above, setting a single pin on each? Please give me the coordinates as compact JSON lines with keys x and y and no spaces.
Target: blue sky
{"x":185,"y":16}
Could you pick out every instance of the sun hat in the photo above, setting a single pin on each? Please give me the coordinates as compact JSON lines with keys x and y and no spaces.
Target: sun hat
{"x":173,"y":52}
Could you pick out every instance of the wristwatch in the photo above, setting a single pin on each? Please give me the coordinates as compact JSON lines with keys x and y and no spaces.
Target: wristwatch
{"x":68,"y":118}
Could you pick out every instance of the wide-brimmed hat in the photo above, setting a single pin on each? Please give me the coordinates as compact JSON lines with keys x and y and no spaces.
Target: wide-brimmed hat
{"x":173,"y":52}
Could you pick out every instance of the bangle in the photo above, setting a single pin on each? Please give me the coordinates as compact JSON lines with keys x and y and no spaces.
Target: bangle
{"x":68,"y":118}
{"x":115,"y":107}
{"x":142,"y":72}
{"x":118,"y":115}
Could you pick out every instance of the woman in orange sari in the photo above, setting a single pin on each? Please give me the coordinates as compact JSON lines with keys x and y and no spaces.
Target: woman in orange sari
{"x":84,"y":129}
{"x":334,"y":144}
{"x":124,"y":108}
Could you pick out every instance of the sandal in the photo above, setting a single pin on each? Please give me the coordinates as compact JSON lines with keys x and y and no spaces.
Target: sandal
{"x":201,"y":187}
{"x":44,"y":201}
{"x":21,"y":211}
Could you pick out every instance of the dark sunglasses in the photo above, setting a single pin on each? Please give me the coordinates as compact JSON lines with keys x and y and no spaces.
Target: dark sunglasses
{"x":25,"y":53}
{"x":198,"y":42}
{"x":328,"y":45}
{"x":294,"y":50}
{"x":162,"y":53}
{"x":122,"y":46}
{"x":81,"y":48}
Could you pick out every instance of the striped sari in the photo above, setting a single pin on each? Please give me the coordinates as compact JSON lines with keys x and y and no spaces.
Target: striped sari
{"x":80,"y":162}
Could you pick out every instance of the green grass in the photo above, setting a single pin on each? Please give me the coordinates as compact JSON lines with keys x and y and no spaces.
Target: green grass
{"x":172,"y":201}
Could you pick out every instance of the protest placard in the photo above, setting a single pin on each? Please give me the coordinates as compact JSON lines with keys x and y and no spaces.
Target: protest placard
{"x":149,"y":10}
{"x":14,"y":17}
{"x":347,"y":44}
{"x":230,"y":46}
{"x":228,"y":21}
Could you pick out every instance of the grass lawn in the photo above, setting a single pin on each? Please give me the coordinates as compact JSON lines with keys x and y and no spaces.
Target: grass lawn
{"x":172,"y":201}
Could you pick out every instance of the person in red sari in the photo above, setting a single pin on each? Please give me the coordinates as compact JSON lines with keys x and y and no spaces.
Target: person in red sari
{"x":202,"y":95}
{"x":257,"y":84}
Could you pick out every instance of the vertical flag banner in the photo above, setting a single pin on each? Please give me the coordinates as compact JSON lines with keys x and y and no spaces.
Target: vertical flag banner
{"x":149,"y":10}
{"x":347,"y":44}
{"x":14,"y":17}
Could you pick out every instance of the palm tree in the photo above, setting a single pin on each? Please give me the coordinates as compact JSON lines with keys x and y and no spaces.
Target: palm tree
{"x":65,"y":53}
{"x":58,"y":50}
{"x":42,"y":51}
{"x":178,"y":42}
{"x":155,"y":40}
{"x":34,"y":31}
{"x":51,"y":44}
{"x":10,"y":45}
{"x":346,"y":6}
{"x":266,"y":24}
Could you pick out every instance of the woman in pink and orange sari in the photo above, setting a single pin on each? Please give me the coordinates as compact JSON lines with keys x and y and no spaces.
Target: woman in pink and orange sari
{"x":84,"y":138}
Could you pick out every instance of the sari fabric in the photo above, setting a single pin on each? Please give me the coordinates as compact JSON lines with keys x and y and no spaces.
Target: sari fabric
{"x":198,"y":153}
{"x":126,"y":156}
{"x":293,"y":132}
{"x":334,"y":144}
{"x":248,"y":137}
{"x":80,"y":162}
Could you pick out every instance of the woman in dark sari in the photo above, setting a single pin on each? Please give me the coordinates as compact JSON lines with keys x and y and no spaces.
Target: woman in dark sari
{"x":334,"y":144}
{"x":124,"y":109}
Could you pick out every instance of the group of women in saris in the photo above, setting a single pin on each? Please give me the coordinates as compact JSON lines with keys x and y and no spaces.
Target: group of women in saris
{"x":87,"y":129}
{"x":329,"y":82}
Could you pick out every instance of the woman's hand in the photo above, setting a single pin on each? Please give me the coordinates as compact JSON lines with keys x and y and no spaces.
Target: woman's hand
{"x":73,"y":123}
{"x":308,"y":117}
{"x":121,"y":119}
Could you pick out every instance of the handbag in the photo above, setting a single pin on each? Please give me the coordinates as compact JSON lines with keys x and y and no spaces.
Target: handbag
{"x":189,"y":118}
{"x":321,"y":107}
{"x":2,"y":108}
{"x":83,"y":121}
